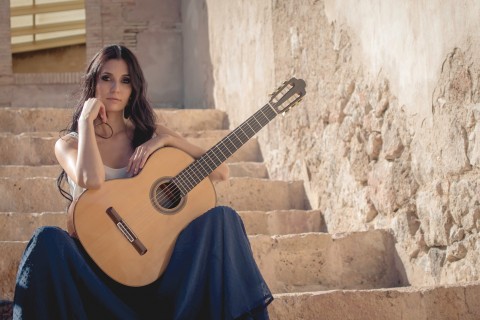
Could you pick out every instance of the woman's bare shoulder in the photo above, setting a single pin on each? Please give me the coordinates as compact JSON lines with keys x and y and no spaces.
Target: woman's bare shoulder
{"x":69,"y":140}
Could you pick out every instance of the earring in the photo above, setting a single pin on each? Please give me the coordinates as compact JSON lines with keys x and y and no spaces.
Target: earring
{"x":102,"y":136}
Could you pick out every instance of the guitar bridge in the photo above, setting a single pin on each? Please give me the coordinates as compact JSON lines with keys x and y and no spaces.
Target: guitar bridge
{"x":126,"y":231}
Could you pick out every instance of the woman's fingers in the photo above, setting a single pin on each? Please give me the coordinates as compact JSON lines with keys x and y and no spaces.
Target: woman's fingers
{"x":144,"y":158}
{"x":142,"y":153}
{"x":137,"y":160}
{"x":94,"y":108}
{"x":102,"y":113}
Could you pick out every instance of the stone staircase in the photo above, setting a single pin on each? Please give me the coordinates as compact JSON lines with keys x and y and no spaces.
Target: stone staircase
{"x":313,"y":274}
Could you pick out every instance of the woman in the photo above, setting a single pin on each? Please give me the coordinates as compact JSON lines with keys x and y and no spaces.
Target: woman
{"x":211,"y":273}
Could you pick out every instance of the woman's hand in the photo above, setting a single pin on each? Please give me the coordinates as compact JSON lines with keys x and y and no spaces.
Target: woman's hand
{"x":142,"y":152}
{"x":93,"y":108}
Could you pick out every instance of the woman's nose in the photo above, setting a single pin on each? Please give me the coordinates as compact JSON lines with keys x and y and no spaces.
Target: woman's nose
{"x":115,"y":86}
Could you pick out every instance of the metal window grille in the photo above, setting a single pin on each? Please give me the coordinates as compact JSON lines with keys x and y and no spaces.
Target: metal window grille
{"x":45,"y":24}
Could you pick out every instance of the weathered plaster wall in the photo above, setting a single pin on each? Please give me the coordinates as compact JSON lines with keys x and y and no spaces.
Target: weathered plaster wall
{"x":387,"y":136}
{"x":241,"y":50}
{"x":407,"y":41}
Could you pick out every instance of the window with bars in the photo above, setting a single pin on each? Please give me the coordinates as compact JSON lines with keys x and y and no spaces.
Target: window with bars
{"x":45,"y":24}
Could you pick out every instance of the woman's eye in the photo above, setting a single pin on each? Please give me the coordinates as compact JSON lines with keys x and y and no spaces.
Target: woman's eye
{"x":105,"y":78}
{"x":126,"y":80}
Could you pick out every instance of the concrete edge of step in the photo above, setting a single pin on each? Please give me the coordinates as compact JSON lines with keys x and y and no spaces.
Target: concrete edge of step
{"x":401,"y":290}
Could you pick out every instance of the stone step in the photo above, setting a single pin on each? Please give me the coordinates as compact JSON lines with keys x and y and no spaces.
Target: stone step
{"x":290,"y":263}
{"x":19,"y":226}
{"x":322,"y":261}
{"x":26,"y":171}
{"x":18,"y":120}
{"x":41,"y":195}
{"x":455,"y":302}
{"x":237,"y":169}
{"x":283,"y":222}
{"x":37,"y":148}
{"x":426,"y":303}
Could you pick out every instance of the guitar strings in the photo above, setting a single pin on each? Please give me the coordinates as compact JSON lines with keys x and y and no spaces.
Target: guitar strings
{"x":176,"y":190}
{"x":188,"y":176}
{"x":172,"y":194}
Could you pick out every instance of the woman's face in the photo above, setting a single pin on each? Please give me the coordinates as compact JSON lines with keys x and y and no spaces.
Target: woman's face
{"x":114,"y":85}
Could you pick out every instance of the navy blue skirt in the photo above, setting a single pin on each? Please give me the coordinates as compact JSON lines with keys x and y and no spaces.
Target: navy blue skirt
{"x":211,"y":275}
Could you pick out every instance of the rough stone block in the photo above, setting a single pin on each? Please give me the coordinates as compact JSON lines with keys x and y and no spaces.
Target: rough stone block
{"x":42,"y":195}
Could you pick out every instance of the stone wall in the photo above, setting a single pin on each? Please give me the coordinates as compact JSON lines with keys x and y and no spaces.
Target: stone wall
{"x":57,"y":60}
{"x":6,"y":78}
{"x":388,"y":135}
{"x":197,"y":62}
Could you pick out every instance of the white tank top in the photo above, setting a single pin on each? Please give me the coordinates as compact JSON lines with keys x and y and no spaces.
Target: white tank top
{"x":110,"y":174}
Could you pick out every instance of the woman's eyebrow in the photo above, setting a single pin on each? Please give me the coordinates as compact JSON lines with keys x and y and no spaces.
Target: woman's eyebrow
{"x":111,"y":74}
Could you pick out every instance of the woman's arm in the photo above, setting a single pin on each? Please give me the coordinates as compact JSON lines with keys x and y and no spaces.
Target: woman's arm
{"x":169,"y":138}
{"x":81,"y":159}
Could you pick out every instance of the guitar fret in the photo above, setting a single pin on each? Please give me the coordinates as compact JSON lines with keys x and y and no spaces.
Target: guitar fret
{"x":237,"y":139}
{"x":232,"y":144}
{"x":204,"y":166}
{"x":193,"y":172}
{"x":240,"y":130}
{"x":254,"y":118}
{"x":265,"y":117}
{"x":207,"y":155}
{"x":216,"y":156}
{"x":204,"y":161}
{"x":250,"y":127}
{"x":192,"y":175}
{"x":223,"y":155}
{"x":189,"y":185}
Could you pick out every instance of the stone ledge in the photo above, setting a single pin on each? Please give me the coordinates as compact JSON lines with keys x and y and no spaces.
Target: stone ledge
{"x":287,"y":265}
{"x":41,"y":194}
{"x":36,"y":148}
{"x":237,"y":169}
{"x":47,"y":78}
{"x":19,"y":226}
{"x":24,"y":119}
{"x":456,"y":302}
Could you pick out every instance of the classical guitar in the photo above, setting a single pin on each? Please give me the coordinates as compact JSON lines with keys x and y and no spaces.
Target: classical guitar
{"x":129,"y":226}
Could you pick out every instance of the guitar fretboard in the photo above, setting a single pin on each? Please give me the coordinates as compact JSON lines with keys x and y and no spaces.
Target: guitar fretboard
{"x":198,"y":170}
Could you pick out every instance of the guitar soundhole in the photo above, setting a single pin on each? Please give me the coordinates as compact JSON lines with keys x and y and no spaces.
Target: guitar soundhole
{"x":166,"y":197}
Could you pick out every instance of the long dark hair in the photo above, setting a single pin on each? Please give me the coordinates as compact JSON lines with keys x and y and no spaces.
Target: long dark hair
{"x":138,"y":109}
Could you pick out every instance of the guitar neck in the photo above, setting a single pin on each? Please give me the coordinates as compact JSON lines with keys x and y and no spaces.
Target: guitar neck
{"x":198,"y":170}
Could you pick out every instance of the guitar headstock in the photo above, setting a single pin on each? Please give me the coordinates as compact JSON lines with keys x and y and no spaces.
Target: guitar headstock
{"x":288,"y":95}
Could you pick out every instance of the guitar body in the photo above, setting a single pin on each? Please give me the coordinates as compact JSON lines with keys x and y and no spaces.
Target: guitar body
{"x":136,"y":251}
